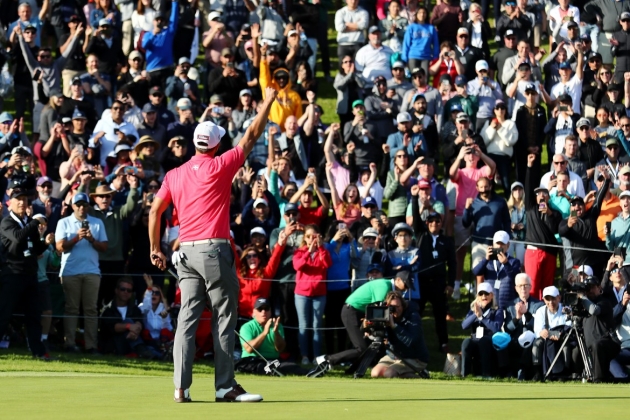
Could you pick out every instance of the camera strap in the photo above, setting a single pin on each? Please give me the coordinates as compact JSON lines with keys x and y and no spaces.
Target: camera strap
{"x":547,"y":319}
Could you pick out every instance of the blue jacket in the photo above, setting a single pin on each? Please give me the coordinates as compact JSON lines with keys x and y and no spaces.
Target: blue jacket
{"x":395,"y":142}
{"x":516,"y":327}
{"x":159,"y":48}
{"x":488,"y":218}
{"x":421,"y":42}
{"x":55,"y":215}
{"x":506,"y":275}
{"x":398,"y":257}
{"x":491,"y":322}
{"x":340,"y":268}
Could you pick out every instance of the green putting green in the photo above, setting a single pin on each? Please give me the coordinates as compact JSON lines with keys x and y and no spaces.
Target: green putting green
{"x":82,"y":388}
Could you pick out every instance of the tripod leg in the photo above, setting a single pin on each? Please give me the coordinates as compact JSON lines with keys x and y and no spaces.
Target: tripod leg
{"x":366,"y":359}
{"x":588,"y":371}
{"x":558,"y":354}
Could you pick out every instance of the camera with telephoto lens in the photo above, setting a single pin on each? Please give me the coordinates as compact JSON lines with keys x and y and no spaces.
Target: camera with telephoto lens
{"x":571,"y":300}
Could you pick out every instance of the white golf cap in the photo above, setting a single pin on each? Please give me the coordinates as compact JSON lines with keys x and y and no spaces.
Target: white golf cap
{"x":482,"y":65}
{"x":258,"y":230}
{"x":462,"y":30}
{"x":526,"y":339}
{"x":501,"y":236}
{"x":624,"y":194}
{"x":213,"y":15}
{"x":260,"y":201}
{"x":551,"y":291}
{"x":484,"y":287}
{"x":515,"y":185}
{"x":370,"y":232}
{"x":403,"y":117}
{"x":207,"y":135}
{"x":184,"y":104}
{"x":586,"y":269}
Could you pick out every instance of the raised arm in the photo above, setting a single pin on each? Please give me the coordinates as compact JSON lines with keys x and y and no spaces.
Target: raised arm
{"x":334,"y":195}
{"x":257,"y":127}
{"x":328,"y":153}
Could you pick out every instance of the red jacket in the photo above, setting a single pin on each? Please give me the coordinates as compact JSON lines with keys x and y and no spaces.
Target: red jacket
{"x":252,"y":289}
{"x":310,"y":271}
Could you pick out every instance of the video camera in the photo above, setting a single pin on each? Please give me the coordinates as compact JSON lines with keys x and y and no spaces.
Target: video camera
{"x":377,"y":314}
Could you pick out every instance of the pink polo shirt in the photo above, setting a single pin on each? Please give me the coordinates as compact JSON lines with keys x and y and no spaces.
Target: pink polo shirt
{"x":200,"y":191}
{"x":466,"y":186}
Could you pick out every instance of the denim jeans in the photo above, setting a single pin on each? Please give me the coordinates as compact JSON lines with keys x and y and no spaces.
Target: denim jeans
{"x":310,"y":311}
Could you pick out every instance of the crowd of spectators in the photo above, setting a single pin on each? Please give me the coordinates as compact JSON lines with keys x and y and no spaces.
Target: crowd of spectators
{"x":436,"y":153}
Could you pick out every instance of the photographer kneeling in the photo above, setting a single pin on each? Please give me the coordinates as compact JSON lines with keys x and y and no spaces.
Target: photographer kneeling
{"x":407,"y":356}
{"x":599,"y":329}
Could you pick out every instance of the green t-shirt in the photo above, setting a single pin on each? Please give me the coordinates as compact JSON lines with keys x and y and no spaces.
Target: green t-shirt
{"x":253,"y":329}
{"x":371,"y":292}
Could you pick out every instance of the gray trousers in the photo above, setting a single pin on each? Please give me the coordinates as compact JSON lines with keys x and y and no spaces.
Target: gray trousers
{"x":206,"y":274}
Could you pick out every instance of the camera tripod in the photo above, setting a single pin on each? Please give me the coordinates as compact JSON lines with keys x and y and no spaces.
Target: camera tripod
{"x":587,"y":373}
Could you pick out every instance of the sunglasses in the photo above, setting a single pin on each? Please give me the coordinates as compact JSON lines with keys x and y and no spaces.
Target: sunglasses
{"x":48,"y":186}
{"x":157,"y":293}
{"x":157,"y":95}
{"x":153,"y":187}
{"x":136,"y":59}
{"x":612,"y":146}
{"x":264,"y":308}
{"x":501,"y":108}
{"x":435,"y":221}
{"x":401,"y":156}
{"x":560,"y":163}
{"x":125,"y":289}
{"x":531,"y":92}
{"x":81,"y":204}
{"x":605,"y":73}
{"x":347,"y":62}
{"x":251,"y":256}
{"x":369,"y":238}
{"x":625,"y":125}
{"x":483,"y":294}
{"x":116,"y":108}
{"x":45,"y":56}
{"x":463,"y":36}
{"x":584,"y":128}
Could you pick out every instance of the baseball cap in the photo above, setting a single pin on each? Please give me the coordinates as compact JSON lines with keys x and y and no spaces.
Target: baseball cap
{"x":23,"y":150}
{"x":76,"y":80}
{"x":484,"y":287}
{"x":260,"y":201}
{"x":565,"y":98}
{"x":515,"y":185}
{"x":214,"y":15}
{"x":434,"y":215}
{"x":398,"y":65}
{"x":530,"y":86}
{"x":55,"y":92}
{"x":261,"y":303}
{"x":370,"y":232}
{"x":149,"y":107}
{"x":498,"y":103}
{"x":214,"y":99}
{"x":594,"y":56}
{"x":104,"y":22}
{"x":614,"y":87}
{"x":80,"y":197}
{"x":462,"y":117}
{"x":401,"y":226}
{"x":612,"y":141}
{"x":354,"y":104}
{"x":576,"y":199}
{"x":373,"y":29}
{"x":572,"y":24}
{"x":501,"y":236}
{"x":369,"y":201}
{"x":417,"y":70}
{"x":134,"y":54}
{"x":78,"y":115}
{"x":373,"y":267}
{"x":524,"y":65}
{"x":500,"y":340}
{"x":121,"y":147}
{"x":460,"y":80}
{"x":583,"y":122}
{"x":379,"y":79}
{"x":403,"y":117}
{"x":427,"y":161}
{"x":66,"y":120}
{"x":18,"y":192}
{"x":158,"y":15}
{"x":462,"y":30}
{"x":183,"y":60}
{"x":624,"y":170}
{"x":249,"y":44}
{"x":423,"y":183}
{"x":290,"y":207}
{"x":244,"y":92}
{"x":42,"y":180}
{"x":564,"y":65}
{"x":482,"y":65}
{"x":586,"y":269}
{"x":509,"y":33}
{"x":543,"y":189}
{"x":417,"y":96}
{"x":257,"y":230}
{"x":292,"y":32}
{"x":551,"y":291}
{"x":456,"y":107}
{"x":184,"y":104}
{"x":226,"y":51}
{"x":624,"y":15}
{"x":405,"y":276}
{"x":526,"y":339}
{"x":207,"y":135}
{"x":586,"y":37}
{"x":154,"y":90}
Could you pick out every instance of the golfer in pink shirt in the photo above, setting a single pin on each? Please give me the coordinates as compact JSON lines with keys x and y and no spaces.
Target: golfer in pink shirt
{"x":200,"y":192}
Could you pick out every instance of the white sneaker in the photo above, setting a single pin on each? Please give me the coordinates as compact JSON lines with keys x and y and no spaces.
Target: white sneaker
{"x":182,"y":397}
{"x":236,"y":394}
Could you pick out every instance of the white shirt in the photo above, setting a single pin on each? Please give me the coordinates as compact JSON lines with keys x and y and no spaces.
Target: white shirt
{"x":555,"y":14}
{"x":376,"y":192}
{"x":373,"y":62}
{"x":109,"y":141}
{"x":555,"y":320}
{"x":575,"y":187}
{"x":573,"y":87}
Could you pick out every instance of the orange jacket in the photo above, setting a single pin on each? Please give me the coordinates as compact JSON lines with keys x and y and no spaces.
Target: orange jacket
{"x":288,"y":101}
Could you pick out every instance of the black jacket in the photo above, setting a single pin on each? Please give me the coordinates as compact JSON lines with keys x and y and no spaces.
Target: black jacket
{"x":15,"y":240}
{"x":541,"y":228}
{"x":520,"y":26}
{"x":108,"y":320}
{"x":622,"y":52}
{"x":540,"y":119}
{"x":108,"y":57}
{"x":433,"y":268}
{"x":227,"y":87}
{"x":515,"y":327}
{"x":407,"y":339}
{"x":590,"y":152}
{"x":600,"y":324}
